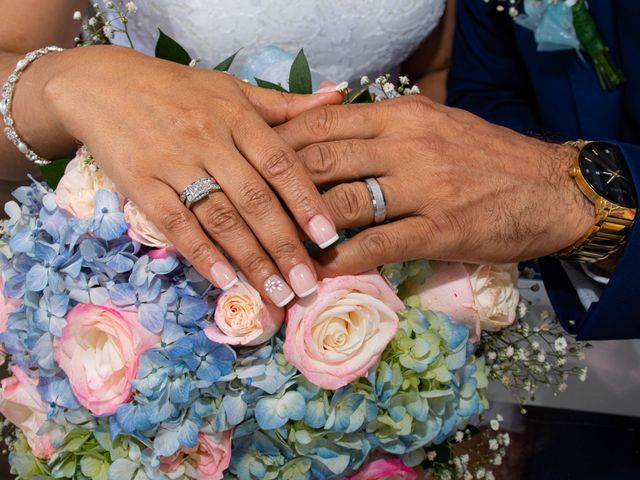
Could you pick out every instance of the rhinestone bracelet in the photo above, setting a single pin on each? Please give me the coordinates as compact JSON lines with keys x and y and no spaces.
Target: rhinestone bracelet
{"x":7,"y":96}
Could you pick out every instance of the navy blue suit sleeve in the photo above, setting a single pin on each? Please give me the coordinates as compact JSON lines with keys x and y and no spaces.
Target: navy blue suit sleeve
{"x":616,"y":315}
{"x":487,"y":76}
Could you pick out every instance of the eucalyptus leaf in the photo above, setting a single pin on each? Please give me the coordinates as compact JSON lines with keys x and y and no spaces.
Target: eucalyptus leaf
{"x":168,"y":49}
{"x":53,"y":172}
{"x":300,"y":75}
{"x":270,"y":85}
{"x":224,"y":65}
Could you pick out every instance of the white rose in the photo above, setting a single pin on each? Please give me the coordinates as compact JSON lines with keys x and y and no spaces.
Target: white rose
{"x":495,"y":289}
{"x":141,"y":229}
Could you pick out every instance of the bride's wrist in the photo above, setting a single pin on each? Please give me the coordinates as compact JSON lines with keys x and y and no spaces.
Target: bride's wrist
{"x":76,"y":85}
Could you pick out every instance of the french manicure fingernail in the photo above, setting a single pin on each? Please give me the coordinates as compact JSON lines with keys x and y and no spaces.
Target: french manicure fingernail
{"x":333,"y":88}
{"x":322,"y":231}
{"x":278,"y":291}
{"x":302,"y":280}
{"x":223,"y":275}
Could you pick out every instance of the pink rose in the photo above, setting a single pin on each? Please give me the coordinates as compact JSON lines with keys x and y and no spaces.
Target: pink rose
{"x":141,"y":229}
{"x":385,"y":469}
{"x":99,"y":350}
{"x":20,"y":403}
{"x":242,"y":318}
{"x":337,"y":335}
{"x":209,"y":459}
{"x":7,"y":307}
{"x":79,"y":184}
{"x":479,"y":296}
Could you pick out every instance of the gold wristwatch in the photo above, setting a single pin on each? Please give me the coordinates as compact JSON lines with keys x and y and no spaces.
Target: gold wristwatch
{"x":601,"y":173}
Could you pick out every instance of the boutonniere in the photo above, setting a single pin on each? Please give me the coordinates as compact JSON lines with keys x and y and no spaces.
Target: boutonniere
{"x":563,"y":25}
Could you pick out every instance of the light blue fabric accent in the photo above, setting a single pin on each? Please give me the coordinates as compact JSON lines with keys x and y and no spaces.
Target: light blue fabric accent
{"x":268,"y":63}
{"x":552,"y":24}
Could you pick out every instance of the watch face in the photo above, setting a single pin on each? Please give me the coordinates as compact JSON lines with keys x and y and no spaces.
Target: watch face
{"x":603,"y":166}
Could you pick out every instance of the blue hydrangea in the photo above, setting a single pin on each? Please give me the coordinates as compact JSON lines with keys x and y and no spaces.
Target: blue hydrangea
{"x":427,"y":383}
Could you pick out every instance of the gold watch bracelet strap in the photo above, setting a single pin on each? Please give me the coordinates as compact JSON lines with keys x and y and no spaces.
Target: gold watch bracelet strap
{"x":608,"y":234}
{"x":611,"y":227}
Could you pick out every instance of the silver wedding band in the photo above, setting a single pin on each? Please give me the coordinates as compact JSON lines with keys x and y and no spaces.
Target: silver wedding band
{"x":377,"y":200}
{"x":196,"y":191}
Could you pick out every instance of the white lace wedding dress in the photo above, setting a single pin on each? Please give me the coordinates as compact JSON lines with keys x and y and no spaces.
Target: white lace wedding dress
{"x":342,"y":39}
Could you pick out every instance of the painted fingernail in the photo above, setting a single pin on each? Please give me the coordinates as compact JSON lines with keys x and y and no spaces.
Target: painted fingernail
{"x":322,"y":231}
{"x":223,"y":275}
{"x":278,"y":291}
{"x":302,"y":280}
{"x":333,"y":88}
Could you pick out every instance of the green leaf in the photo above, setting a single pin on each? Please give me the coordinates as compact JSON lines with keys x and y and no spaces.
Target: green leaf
{"x":224,"y":65}
{"x":270,"y":85}
{"x":358,"y":95}
{"x":300,"y":75}
{"x":53,"y":172}
{"x":168,"y":49}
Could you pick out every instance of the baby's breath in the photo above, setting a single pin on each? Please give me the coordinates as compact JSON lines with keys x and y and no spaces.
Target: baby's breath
{"x":105,"y":22}
{"x":470,"y":460}
{"x":523,"y":357}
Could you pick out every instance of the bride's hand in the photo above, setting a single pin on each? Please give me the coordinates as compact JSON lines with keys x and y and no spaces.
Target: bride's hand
{"x":155,"y":127}
{"x":456,"y":187}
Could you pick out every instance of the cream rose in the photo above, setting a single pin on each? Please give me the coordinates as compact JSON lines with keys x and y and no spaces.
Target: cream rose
{"x":495,"y":289}
{"x":339,"y":334}
{"x":479,"y":296}
{"x":79,"y":184}
{"x":242,"y":318}
{"x":141,"y":229}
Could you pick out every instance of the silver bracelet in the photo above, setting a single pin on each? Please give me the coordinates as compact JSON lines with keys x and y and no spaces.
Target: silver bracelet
{"x":7,"y":96}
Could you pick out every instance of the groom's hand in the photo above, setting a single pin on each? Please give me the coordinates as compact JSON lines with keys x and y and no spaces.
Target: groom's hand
{"x":456,"y":187}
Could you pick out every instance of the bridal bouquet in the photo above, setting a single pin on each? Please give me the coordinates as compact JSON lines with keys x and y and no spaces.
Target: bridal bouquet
{"x":127,"y":364}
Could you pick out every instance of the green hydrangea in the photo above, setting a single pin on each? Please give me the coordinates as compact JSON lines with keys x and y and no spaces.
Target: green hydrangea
{"x":84,"y":455}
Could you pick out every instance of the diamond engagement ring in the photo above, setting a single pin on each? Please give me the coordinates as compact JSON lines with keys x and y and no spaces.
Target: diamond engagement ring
{"x":196,"y":191}
{"x":377,"y":200}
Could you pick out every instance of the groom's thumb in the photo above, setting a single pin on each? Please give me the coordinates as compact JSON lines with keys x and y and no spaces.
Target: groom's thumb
{"x":279,"y":107}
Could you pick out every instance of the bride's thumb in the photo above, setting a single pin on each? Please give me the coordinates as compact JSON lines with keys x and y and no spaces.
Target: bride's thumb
{"x":278,"y":107}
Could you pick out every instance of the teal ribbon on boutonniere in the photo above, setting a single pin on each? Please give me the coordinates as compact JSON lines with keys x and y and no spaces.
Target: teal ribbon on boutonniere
{"x":564,"y":25}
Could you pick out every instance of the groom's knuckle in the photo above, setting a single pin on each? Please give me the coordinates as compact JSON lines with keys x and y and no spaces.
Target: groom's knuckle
{"x":346,"y":203}
{"x":321,"y":122}
{"x":279,"y":163}
{"x":320,"y":159}
{"x":419,"y":105}
{"x":379,"y":244}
